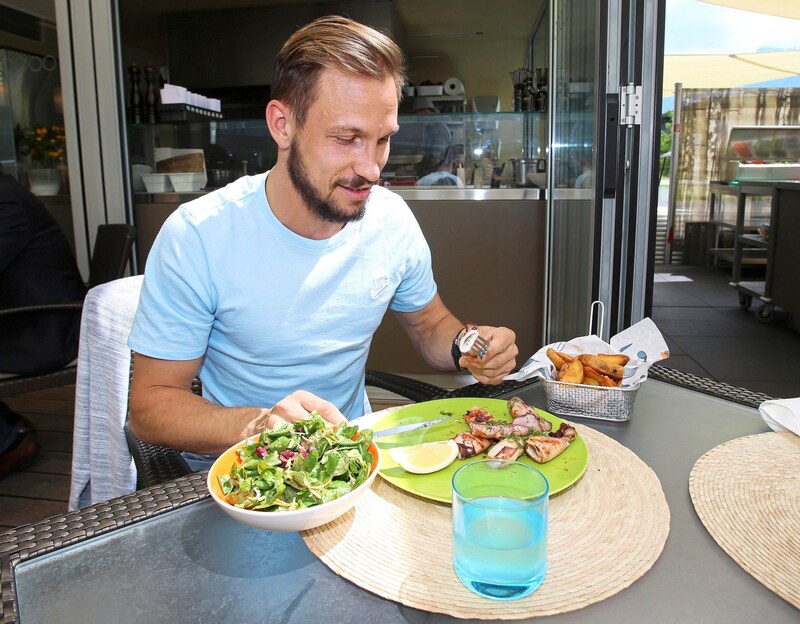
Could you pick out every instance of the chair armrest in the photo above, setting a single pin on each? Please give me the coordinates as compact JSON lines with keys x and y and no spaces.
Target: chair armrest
{"x":154,"y":464}
{"x":404,"y":386}
{"x":42,"y":307}
{"x":707,"y":386}
{"x":489,"y":392}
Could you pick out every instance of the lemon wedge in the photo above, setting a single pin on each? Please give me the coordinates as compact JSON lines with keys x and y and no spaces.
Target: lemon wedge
{"x":425,"y":458}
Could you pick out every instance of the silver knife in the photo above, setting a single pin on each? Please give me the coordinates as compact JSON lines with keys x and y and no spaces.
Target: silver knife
{"x":411,"y":427}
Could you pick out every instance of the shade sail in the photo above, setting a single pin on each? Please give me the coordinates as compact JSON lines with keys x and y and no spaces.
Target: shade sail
{"x":716,"y":71}
{"x":779,"y":8}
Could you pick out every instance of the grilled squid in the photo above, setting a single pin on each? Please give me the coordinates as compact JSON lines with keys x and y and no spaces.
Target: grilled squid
{"x":477,"y":415}
{"x":542,"y":449}
{"x":508,"y":448}
{"x":495,"y":430}
{"x":565,"y":431}
{"x":470,"y":445}
{"x":525,"y":415}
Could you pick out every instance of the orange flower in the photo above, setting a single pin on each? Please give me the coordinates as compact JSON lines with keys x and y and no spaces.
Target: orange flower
{"x":43,"y":143}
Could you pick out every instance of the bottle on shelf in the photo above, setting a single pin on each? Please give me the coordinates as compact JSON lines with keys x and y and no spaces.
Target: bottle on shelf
{"x":136,"y":111}
{"x":460,"y":174}
{"x":477,"y":176}
{"x":152,"y":97}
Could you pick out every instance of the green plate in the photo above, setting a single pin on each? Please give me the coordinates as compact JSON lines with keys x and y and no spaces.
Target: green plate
{"x":561,"y":472}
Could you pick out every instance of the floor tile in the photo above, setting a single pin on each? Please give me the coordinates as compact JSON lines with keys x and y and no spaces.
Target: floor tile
{"x":780,"y":328}
{"x":687,"y":313}
{"x":685,"y":364}
{"x":743,"y":358}
{"x":665,"y":294}
{"x":780,"y":389}
{"x":704,"y":327}
{"x":710,"y":335}
{"x":674,"y":347}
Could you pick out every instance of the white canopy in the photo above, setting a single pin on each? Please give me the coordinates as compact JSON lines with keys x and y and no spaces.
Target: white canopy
{"x":778,"y":8}
{"x":710,"y":71}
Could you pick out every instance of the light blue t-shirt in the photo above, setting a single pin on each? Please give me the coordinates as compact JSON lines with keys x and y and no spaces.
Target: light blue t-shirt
{"x":271,"y":311}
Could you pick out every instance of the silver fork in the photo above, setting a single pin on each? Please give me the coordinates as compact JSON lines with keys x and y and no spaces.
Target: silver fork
{"x":473,"y":343}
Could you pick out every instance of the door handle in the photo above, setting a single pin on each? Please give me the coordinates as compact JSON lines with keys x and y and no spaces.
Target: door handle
{"x":611,"y":153}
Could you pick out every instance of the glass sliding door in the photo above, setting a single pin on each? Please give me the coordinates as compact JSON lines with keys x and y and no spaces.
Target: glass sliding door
{"x":605,"y":106}
{"x":573,"y":119}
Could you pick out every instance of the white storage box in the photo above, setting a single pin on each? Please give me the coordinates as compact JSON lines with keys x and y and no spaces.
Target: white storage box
{"x":187,"y":182}
{"x":157,"y":182}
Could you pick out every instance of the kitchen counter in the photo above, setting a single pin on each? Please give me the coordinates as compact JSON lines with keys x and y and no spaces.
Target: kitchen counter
{"x":406,"y":192}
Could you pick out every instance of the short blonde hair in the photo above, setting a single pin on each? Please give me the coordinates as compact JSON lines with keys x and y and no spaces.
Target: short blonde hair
{"x":332,"y":42}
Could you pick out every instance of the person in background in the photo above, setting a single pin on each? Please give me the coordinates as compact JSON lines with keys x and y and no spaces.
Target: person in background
{"x":271,"y":289}
{"x":436,"y":166}
{"x":36,"y":266}
{"x":412,"y":136}
{"x":423,"y":106}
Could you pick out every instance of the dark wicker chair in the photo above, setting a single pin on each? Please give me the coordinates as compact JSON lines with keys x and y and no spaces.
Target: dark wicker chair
{"x":157,"y":464}
{"x":110,"y":257}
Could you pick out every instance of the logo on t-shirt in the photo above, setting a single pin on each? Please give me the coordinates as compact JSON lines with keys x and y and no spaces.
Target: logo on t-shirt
{"x":378,"y":285}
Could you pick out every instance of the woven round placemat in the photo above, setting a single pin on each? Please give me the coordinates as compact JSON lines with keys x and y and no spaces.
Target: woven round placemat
{"x":747,"y":494}
{"x":605,"y":532}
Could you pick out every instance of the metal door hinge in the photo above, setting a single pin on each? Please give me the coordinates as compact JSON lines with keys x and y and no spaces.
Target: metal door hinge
{"x":630,"y":102}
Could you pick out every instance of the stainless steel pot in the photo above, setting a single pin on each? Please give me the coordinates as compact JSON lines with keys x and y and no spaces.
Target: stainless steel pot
{"x":525,"y":170}
{"x":217,"y":178}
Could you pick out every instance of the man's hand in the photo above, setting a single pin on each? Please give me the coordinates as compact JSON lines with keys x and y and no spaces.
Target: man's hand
{"x":294,"y":407}
{"x":165,"y":411}
{"x":499,"y":361}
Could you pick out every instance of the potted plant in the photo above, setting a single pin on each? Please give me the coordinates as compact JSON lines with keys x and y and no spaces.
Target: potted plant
{"x":45,"y":147}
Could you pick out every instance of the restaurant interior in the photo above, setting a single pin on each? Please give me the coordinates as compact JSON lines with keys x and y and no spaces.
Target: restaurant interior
{"x":559,"y":237}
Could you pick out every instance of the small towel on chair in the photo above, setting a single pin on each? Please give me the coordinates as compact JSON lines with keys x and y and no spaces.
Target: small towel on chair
{"x":102,"y":466}
{"x":782,"y":414}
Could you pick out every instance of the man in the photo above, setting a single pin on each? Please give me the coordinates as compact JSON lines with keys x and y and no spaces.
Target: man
{"x":271,"y":288}
{"x":436,"y":166}
{"x":36,"y":266}
{"x":423,"y":106}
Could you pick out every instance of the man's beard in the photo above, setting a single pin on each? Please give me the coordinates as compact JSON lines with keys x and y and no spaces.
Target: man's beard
{"x":324,"y":208}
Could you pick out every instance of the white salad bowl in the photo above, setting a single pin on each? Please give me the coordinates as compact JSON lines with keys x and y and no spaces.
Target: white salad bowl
{"x":299,"y":520}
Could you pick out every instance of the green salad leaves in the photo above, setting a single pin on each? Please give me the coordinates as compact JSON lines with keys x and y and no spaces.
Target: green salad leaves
{"x":298,"y":465}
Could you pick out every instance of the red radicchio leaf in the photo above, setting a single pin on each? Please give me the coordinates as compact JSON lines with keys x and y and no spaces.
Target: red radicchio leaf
{"x":286,"y":457}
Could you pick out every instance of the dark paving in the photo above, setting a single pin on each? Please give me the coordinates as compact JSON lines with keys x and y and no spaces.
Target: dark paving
{"x":710,"y":335}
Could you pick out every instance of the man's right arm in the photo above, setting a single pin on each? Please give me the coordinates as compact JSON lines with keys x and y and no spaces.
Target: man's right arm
{"x":165,"y":411}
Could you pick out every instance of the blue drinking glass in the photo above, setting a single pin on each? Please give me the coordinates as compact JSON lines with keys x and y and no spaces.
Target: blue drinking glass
{"x":500,"y":528}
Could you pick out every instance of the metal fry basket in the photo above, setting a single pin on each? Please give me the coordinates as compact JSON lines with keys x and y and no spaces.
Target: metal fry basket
{"x":598,"y":402}
{"x":565,"y":399}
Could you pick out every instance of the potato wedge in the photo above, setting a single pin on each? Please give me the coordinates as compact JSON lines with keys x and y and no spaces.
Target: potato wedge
{"x":614,"y":358}
{"x":590,"y":373}
{"x":555,"y":357}
{"x":598,"y":378}
{"x":615,"y":371}
{"x":572,"y":373}
{"x":608,"y":382}
{"x":588,"y":381}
